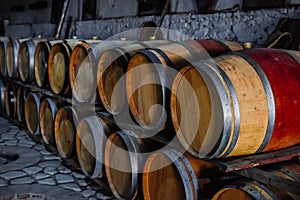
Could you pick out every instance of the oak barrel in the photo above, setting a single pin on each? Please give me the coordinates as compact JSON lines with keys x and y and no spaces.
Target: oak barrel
{"x":21,"y":98}
{"x":91,"y":137}
{"x":112,"y":67}
{"x":48,"y":112}
{"x":12,"y":57}
{"x":10,"y":99}
{"x":171,"y":175}
{"x":41,"y":57}
{"x":26,"y":60}
{"x":58,"y":66}
{"x":148,"y":96}
{"x":2,"y":96}
{"x":236,"y":102}
{"x":123,"y":163}
{"x":246,"y":189}
{"x":83,"y":67}
{"x":3,"y":49}
{"x":65,"y":131}
{"x":32,"y":113}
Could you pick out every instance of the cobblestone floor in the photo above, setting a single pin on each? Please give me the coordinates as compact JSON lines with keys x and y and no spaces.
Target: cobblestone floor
{"x":28,"y":168}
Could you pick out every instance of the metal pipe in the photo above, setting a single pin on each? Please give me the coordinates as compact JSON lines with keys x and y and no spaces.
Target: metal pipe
{"x":62,"y":18}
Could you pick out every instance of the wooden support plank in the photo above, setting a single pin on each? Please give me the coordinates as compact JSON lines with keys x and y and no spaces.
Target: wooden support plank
{"x":271,"y":179}
{"x":259,"y":159}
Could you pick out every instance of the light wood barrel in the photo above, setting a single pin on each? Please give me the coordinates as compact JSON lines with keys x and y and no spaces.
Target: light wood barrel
{"x":21,"y":98}
{"x":167,"y":175}
{"x":3,"y":49}
{"x":112,"y":66}
{"x":65,"y":131}
{"x":83,"y":71}
{"x":2,"y":96}
{"x":10,"y":99}
{"x":41,"y":57}
{"x":150,"y":92}
{"x":123,"y":164}
{"x":48,"y":112}
{"x":91,"y":137}
{"x":235,"y":104}
{"x":12,"y":57}
{"x":245,"y":189}
{"x":32,"y":113}
{"x":26,"y":60}
{"x":58,"y":66}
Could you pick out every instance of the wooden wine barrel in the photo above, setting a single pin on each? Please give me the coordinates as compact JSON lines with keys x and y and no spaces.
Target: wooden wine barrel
{"x":91,"y":137}
{"x":2,"y":96}
{"x":123,"y":164}
{"x":160,"y":64}
{"x":112,"y":66}
{"x":65,"y":131}
{"x":21,"y":98}
{"x":245,"y":189}
{"x":10,"y":99}
{"x":12,"y":57}
{"x":26,"y":60}
{"x":32,"y":113}
{"x":167,"y":175}
{"x":41,"y":57}
{"x":3,"y":49}
{"x":228,"y":108}
{"x":48,"y":112}
{"x":82,"y":67}
{"x":58,"y":66}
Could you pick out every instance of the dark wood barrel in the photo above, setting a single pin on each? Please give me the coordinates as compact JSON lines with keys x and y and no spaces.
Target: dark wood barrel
{"x":41,"y":57}
{"x":160,"y":65}
{"x":32,"y":113}
{"x":65,"y":131}
{"x":58,"y":66}
{"x":170,"y":175}
{"x":112,"y":66}
{"x":3,"y":49}
{"x":21,"y":98}
{"x":10,"y":99}
{"x":123,"y":164}
{"x":246,"y":189}
{"x":91,"y":137}
{"x":2,"y":96}
{"x":228,"y":108}
{"x":26,"y":60}
{"x":48,"y":112}
{"x":83,"y":78}
{"x":12,"y":57}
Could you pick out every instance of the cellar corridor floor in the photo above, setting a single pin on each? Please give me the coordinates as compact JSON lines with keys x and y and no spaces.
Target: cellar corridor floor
{"x":29,"y":171}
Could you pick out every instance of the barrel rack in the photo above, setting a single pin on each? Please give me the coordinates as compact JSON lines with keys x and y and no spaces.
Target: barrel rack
{"x":246,"y":166}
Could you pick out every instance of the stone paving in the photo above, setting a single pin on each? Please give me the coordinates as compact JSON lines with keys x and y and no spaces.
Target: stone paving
{"x":27,"y":168}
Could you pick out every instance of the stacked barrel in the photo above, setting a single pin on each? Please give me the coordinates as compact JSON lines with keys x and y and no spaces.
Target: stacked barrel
{"x":212,"y":97}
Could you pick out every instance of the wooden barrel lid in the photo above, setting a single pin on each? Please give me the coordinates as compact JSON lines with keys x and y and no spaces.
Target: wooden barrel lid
{"x":232,"y":193}
{"x":48,"y":111}
{"x":26,"y":60}
{"x":21,"y":97}
{"x":82,"y":72}
{"x":64,"y":130}
{"x":168,"y":177}
{"x":144,"y":90}
{"x":111,"y":67}
{"x":3,"y":47}
{"x":32,"y":113}
{"x":90,"y":140}
{"x":41,"y":57}
{"x":10,"y":99}
{"x":199,"y":105}
{"x":58,"y":68}
{"x":11,"y":58}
